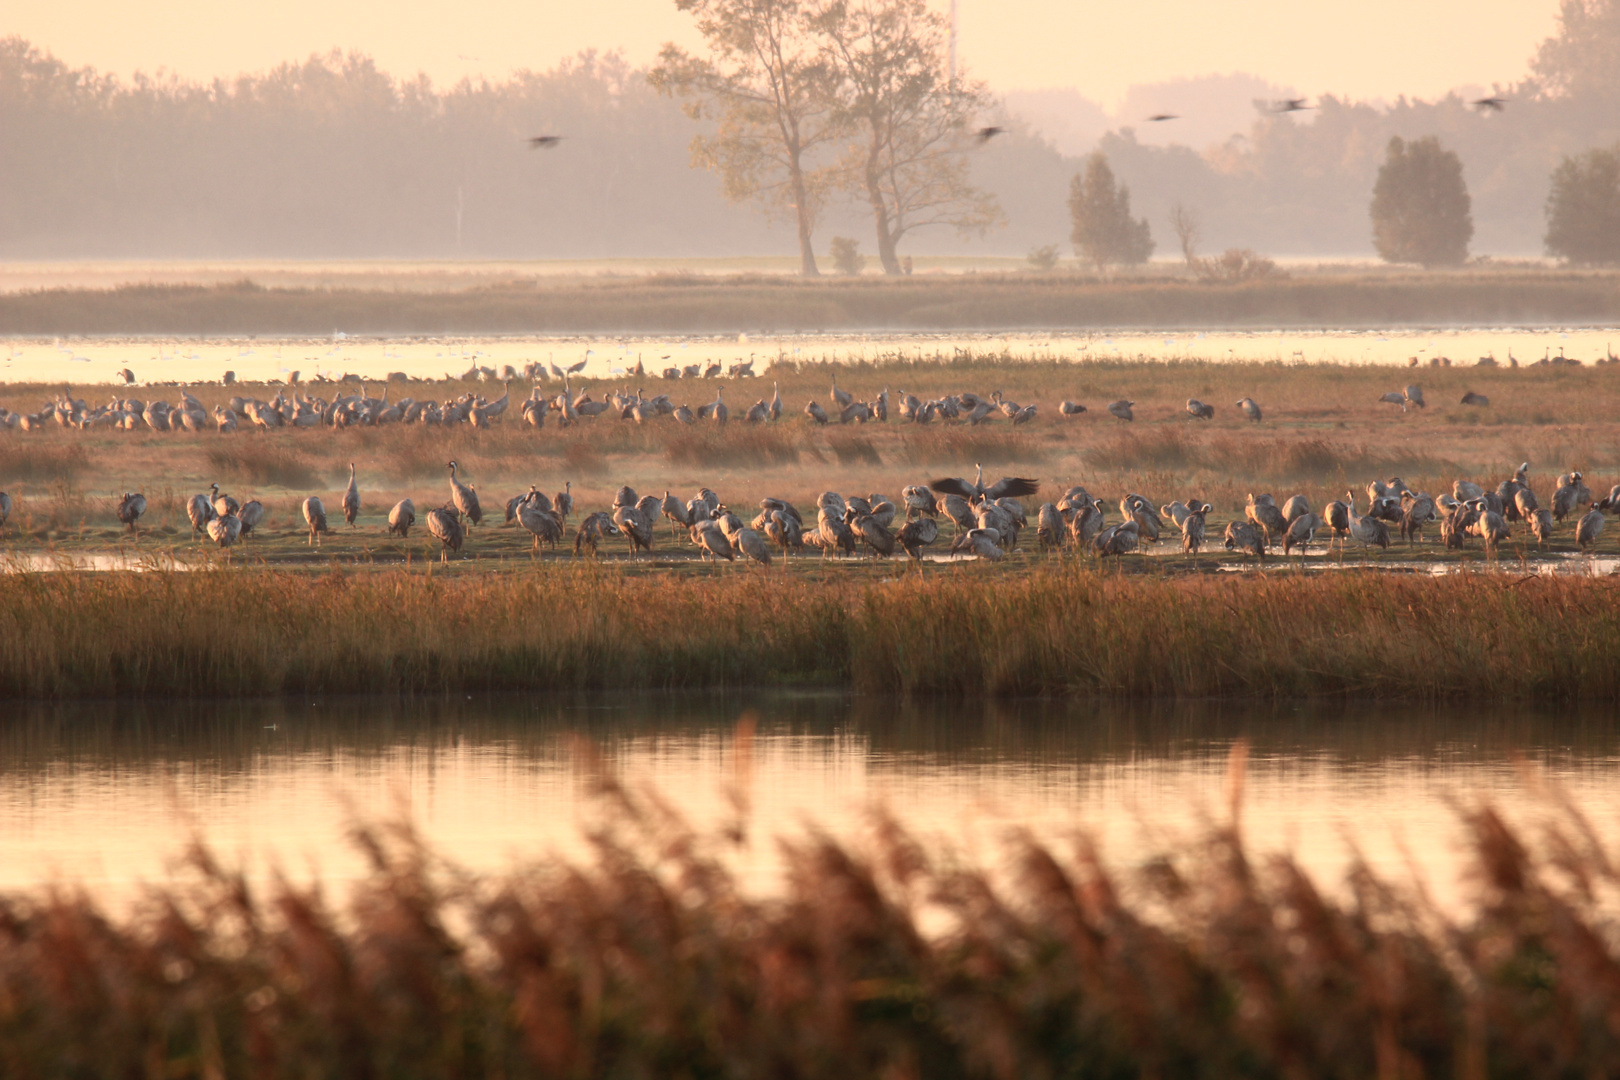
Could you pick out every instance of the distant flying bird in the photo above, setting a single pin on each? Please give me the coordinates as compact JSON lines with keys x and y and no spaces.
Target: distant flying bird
{"x":985,"y":134}
{"x":544,"y":142}
{"x":1158,"y":118}
{"x":1490,"y":104}
{"x":1290,"y":105}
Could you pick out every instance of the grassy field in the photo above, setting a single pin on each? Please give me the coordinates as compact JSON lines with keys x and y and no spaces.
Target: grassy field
{"x":695,"y":303}
{"x":1060,"y":629}
{"x":883,"y":959}
{"x":1324,"y":432}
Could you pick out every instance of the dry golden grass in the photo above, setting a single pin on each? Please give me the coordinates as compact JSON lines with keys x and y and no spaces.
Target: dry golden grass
{"x":1052,"y":627}
{"x":891,"y":957}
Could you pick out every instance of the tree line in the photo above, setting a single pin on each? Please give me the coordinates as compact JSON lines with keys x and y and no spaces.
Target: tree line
{"x":1544,"y":162}
{"x":832,"y":116}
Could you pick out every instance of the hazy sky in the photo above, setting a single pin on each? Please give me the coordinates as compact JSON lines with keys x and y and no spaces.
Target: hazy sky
{"x":1362,"y":48}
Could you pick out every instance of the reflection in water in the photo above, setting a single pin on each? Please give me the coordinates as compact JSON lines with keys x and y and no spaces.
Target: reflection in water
{"x":108,"y":794}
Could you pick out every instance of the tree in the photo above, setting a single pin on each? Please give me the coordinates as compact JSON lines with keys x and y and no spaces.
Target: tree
{"x":907,"y":119}
{"x":1583,"y":208}
{"x":1420,"y":206}
{"x":1580,"y":61}
{"x":1104,"y":230}
{"x":846,"y":255}
{"x":1184,"y":222}
{"x":768,"y":90}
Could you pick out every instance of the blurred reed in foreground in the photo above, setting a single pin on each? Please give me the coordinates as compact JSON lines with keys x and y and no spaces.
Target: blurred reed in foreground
{"x":888,"y":959}
{"x":1056,"y":629}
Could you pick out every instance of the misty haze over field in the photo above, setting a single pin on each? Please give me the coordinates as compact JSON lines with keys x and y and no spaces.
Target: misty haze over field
{"x":332,"y":157}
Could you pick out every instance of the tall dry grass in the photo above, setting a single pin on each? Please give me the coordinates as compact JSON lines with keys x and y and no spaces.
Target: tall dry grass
{"x":889,"y":958}
{"x":1060,"y":629}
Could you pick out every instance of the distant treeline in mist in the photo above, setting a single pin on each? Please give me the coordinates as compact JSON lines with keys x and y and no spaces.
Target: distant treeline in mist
{"x":333,"y":158}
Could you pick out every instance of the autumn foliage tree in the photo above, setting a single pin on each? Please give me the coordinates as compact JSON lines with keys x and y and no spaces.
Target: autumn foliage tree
{"x":1100,"y":209}
{"x":1421,"y":212}
{"x":769,"y":91}
{"x":906,"y":120}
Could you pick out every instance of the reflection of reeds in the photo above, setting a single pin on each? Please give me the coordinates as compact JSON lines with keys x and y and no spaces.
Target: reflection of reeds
{"x":1056,"y":629}
{"x":887,"y":959}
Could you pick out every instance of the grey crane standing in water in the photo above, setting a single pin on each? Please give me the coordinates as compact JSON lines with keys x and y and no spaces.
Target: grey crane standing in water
{"x":1192,"y":527}
{"x":1369,"y":531}
{"x":224,"y":530}
{"x":315,"y":516}
{"x":464,"y":499}
{"x":917,"y":534}
{"x":444,"y":524}
{"x":1587,"y":529}
{"x":251,"y":514}
{"x":222,"y":504}
{"x":351,"y":499}
{"x":200,"y":509}
{"x":130,"y":509}
{"x":401,"y":518}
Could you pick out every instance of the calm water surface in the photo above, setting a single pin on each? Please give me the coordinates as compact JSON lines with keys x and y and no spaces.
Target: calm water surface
{"x":101,"y":359}
{"x":109,"y":794}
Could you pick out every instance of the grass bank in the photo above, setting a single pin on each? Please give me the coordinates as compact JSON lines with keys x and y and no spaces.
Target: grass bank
{"x":1055,"y":628}
{"x":691,"y":304}
{"x":890,"y":959}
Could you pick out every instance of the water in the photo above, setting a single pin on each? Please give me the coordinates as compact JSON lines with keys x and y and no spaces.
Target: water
{"x":108,"y":794}
{"x":90,"y":360}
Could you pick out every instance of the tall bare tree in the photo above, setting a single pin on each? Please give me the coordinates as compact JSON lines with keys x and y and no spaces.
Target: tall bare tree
{"x":908,"y":149}
{"x":767,"y":87}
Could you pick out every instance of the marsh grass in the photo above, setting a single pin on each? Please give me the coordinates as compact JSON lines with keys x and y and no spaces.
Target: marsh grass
{"x":41,"y":457}
{"x":880,"y":958}
{"x":1057,"y":628}
{"x":985,"y":445}
{"x":735,"y":445}
{"x":265,"y":461}
{"x":1254,"y":456}
{"x":689,"y":303}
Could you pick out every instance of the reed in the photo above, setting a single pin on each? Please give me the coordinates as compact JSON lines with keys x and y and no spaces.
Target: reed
{"x":1056,"y":628}
{"x":880,"y":959}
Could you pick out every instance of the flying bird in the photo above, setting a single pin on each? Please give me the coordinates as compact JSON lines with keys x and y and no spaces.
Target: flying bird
{"x":1490,"y":104}
{"x":1290,"y":105}
{"x":985,"y":134}
{"x":1159,"y":118}
{"x":544,"y":142}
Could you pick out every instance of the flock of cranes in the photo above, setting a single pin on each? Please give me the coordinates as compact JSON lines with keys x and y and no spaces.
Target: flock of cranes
{"x":294,"y":407}
{"x":986,"y":519}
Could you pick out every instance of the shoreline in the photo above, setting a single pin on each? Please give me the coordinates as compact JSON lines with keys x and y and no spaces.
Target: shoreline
{"x":758,"y":304}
